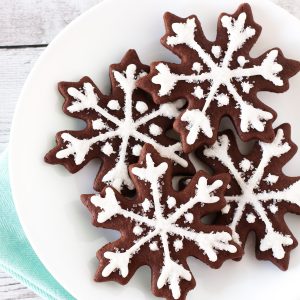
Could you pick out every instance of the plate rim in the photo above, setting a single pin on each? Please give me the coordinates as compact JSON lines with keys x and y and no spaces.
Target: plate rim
{"x":20,"y":100}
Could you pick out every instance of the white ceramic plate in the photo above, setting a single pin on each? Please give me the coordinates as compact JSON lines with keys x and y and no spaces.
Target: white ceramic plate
{"x":47,"y":197}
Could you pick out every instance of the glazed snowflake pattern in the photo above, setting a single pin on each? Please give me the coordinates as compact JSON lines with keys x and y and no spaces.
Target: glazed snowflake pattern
{"x":157,"y":227}
{"x":115,"y":133}
{"x":216,"y":76}
{"x":259,"y":193}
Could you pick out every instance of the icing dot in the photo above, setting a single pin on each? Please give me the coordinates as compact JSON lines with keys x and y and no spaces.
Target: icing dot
{"x":113,"y":105}
{"x":198,"y":92}
{"x":171,"y":202}
{"x":178,"y":245}
{"x":225,"y":210}
{"x":98,"y":124}
{"x":155,"y":130}
{"x":250,"y":218}
{"x":247,"y":86}
{"x":197,"y":67}
{"x":107,"y":149}
{"x":222,"y":100}
{"x":246,"y":165}
{"x":141,"y":107}
{"x":228,"y":187}
{"x":273,"y":208}
{"x":153,"y":246}
{"x":136,"y":150}
{"x":189,"y":217}
{"x":271,"y":179}
{"x":137,"y":230}
{"x":216,"y":51}
{"x":242,"y":60}
{"x":146,"y":205}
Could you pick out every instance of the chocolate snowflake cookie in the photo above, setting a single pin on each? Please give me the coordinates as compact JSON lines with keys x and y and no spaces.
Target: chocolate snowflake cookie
{"x":218,"y":78}
{"x":259,"y":194}
{"x":161,"y":227}
{"x":117,"y":126}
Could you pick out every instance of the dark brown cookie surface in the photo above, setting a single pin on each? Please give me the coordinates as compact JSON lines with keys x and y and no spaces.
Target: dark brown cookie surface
{"x":218,"y":78}
{"x":117,"y":126}
{"x":161,"y":227}
{"x":259,"y":194}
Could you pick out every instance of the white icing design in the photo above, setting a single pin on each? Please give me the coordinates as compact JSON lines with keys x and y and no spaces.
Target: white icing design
{"x":276,"y":241}
{"x":146,"y":205}
{"x":219,"y":74}
{"x":136,"y":150}
{"x":178,"y":245}
{"x":216,"y":51}
{"x":107,"y":149}
{"x":222,"y":100}
{"x":99,"y":124}
{"x":273,"y":208}
{"x":161,"y":226}
{"x":273,"y":240}
{"x":250,"y":218}
{"x":153,"y":246}
{"x":271,"y":179}
{"x":189,"y":217}
{"x":197,"y":67}
{"x":124,"y":128}
{"x":196,"y":120}
{"x":171,"y":202}
{"x":242,"y":61}
{"x":246,"y":165}
{"x":246,"y":86}
{"x":226,"y":209}
{"x":198,"y":92}
{"x":137,"y":230}
{"x":141,"y":107}
{"x":155,"y":130}
{"x":85,"y":99}
{"x":113,"y":105}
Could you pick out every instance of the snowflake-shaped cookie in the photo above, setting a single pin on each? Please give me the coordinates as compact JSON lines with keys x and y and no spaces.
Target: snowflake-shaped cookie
{"x":218,"y":78}
{"x":259,"y":193}
{"x":118,"y":125}
{"x":161,"y":227}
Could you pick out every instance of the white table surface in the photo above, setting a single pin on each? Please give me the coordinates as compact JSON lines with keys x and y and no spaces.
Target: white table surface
{"x":26,"y":27}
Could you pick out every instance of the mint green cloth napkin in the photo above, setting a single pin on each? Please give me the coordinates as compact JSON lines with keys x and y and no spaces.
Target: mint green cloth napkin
{"x":16,"y":255}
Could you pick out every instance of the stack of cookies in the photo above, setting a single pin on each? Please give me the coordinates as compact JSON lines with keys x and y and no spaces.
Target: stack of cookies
{"x":133,"y":132}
